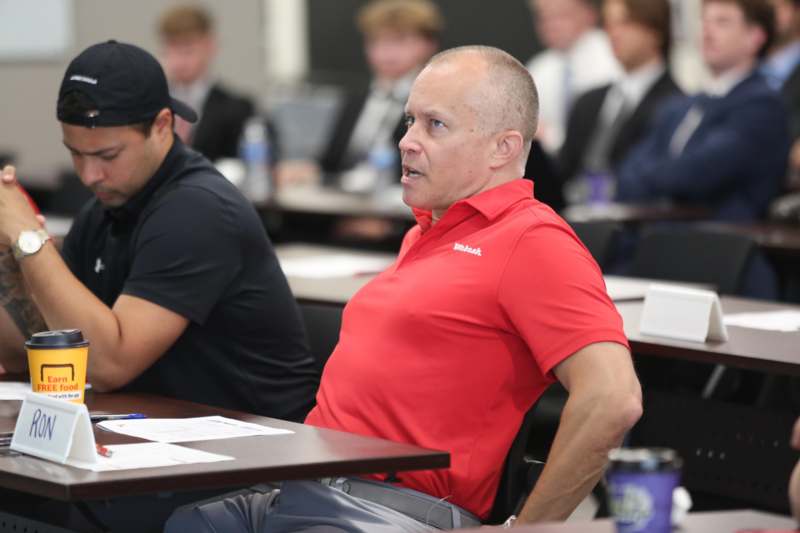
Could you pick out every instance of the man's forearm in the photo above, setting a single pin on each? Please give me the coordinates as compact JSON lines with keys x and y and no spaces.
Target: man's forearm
{"x":21,"y":310}
{"x":589,"y":428}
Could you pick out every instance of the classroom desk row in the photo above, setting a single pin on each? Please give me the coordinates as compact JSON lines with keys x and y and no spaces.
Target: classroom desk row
{"x":768,"y":351}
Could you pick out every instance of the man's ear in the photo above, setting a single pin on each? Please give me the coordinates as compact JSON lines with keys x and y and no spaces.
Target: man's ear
{"x":163,"y":124}
{"x":508,"y":148}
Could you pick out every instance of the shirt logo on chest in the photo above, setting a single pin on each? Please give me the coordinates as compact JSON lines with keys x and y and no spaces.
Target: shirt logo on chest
{"x":458,"y":247}
{"x":99,"y":266}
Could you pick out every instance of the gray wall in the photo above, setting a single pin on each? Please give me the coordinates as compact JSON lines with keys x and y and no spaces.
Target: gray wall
{"x":28,"y":89}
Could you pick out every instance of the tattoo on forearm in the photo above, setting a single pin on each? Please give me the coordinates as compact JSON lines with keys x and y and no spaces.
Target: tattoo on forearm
{"x":15,"y":299}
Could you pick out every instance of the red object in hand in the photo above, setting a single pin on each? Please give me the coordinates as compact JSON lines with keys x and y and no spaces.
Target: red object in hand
{"x":30,"y":200}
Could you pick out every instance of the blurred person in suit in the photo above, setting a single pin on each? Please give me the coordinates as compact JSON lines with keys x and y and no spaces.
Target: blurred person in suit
{"x":188,"y":47}
{"x":726,"y":148}
{"x":577,"y":57}
{"x":605,"y":123}
{"x":399,"y":37}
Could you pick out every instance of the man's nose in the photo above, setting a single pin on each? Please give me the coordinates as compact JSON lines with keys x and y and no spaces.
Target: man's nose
{"x":91,"y":171}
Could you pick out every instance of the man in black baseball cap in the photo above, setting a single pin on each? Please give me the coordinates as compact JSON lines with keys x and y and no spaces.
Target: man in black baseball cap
{"x":168,"y":270}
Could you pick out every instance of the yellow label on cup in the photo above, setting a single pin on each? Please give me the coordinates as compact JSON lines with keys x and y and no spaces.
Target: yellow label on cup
{"x":59,"y":372}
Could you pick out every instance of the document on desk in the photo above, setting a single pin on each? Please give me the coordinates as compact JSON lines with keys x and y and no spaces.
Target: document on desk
{"x":189,"y":429}
{"x":14,"y":390}
{"x":147,"y":455}
{"x":786,"y":321}
{"x":334,"y":265}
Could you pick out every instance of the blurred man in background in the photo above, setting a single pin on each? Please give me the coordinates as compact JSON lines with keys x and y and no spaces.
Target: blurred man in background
{"x":725,"y":149}
{"x":188,"y":47}
{"x":577,"y":58}
{"x":605,"y":123}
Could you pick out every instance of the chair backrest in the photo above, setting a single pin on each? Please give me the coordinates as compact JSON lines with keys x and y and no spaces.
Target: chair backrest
{"x":599,"y":238}
{"x":694,"y":255}
{"x":322,"y":322}
{"x":519,"y":474}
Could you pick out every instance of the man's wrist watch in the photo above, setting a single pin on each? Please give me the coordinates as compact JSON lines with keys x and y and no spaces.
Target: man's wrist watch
{"x":29,"y":242}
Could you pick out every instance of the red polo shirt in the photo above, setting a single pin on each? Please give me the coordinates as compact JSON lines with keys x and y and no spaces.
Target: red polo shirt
{"x":453,"y":343}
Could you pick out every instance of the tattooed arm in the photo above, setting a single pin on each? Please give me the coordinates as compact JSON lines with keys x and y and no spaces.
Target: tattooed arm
{"x":20,"y":317}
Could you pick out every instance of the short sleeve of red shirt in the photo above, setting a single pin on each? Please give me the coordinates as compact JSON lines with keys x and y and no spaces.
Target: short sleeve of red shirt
{"x":553,"y":293}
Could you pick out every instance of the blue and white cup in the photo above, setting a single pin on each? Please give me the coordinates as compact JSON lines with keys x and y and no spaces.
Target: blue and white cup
{"x":640,"y":486}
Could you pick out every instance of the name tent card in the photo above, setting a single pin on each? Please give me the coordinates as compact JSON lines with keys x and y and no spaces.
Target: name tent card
{"x":54,"y":429}
{"x":681,"y":313}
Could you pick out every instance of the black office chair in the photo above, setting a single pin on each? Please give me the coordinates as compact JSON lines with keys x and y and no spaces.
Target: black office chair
{"x":599,"y":237}
{"x":323,"y":322}
{"x":520,"y":473}
{"x":694,"y":255}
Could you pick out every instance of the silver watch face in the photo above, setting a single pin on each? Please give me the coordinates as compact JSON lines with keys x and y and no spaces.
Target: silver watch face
{"x":29,"y":242}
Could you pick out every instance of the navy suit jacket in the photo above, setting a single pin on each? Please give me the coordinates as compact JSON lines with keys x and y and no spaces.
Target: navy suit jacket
{"x":733,"y":163}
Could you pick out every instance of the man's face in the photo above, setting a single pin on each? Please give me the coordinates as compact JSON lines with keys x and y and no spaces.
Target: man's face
{"x":113,"y":162}
{"x":186,"y":59}
{"x":729,"y":40}
{"x":634,"y":44}
{"x":393,"y":54}
{"x":445,"y":151}
{"x":560,"y":23}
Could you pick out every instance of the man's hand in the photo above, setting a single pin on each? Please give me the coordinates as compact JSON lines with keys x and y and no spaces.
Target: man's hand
{"x":16,"y":211}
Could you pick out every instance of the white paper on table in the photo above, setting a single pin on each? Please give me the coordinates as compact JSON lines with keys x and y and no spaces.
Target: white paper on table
{"x":147,"y":455}
{"x":334,"y":265}
{"x":189,"y":429}
{"x":786,"y":320}
{"x":14,"y":390}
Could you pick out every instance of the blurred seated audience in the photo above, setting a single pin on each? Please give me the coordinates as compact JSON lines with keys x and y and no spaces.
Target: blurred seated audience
{"x":399,"y":37}
{"x":605,"y":123}
{"x":782,"y":71}
{"x":188,"y":47}
{"x":577,"y":57}
{"x":726,"y":148}
{"x":362,"y":154}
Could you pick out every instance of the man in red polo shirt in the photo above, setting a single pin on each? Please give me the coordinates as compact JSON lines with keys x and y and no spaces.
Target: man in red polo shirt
{"x":492,"y":298}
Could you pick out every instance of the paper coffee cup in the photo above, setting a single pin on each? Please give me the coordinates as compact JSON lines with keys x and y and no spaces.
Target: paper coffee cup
{"x":640,"y":486}
{"x":57,"y":363}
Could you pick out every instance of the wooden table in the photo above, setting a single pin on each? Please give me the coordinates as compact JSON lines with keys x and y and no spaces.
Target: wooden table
{"x":307,"y":453}
{"x":712,"y":522}
{"x":754,"y":349}
{"x":768,"y":351}
{"x":631,"y":213}
{"x":329,"y":201}
{"x":777,"y":240}
{"x":335,"y":290}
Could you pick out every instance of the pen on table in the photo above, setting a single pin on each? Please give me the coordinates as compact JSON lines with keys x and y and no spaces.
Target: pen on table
{"x":125,"y":416}
{"x":102,"y":450}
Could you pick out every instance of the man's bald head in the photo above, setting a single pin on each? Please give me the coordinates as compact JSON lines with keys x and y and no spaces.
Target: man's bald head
{"x":506,"y":98}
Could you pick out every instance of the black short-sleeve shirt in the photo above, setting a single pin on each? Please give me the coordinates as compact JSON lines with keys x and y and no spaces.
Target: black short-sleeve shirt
{"x":191,"y":243}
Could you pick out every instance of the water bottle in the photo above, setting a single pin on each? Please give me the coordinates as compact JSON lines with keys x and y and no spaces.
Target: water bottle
{"x":382,"y":160}
{"x":255,"y":153}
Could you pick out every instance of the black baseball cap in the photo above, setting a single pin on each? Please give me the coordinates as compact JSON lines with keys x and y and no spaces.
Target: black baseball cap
{"x":124,"y":83}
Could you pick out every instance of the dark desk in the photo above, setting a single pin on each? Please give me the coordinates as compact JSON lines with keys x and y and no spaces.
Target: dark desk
{"x":307,"y":453}
{"x":632,"y":214}
{"x":328,"y":201}
{"x":767,"y":351}
{"x":777,"y":240}
{"x":716,"y":522}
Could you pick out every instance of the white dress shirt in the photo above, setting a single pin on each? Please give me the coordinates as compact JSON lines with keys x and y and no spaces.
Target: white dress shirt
{"x":589,"y":63}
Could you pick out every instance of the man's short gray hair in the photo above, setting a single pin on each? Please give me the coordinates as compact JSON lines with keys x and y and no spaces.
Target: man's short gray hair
{"x":511,"y":101}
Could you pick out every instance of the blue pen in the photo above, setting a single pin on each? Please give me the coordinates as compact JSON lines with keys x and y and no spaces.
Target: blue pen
{"x":126,"y":416}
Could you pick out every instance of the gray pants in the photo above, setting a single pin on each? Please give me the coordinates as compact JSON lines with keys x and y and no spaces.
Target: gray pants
{"x":300,"y":506}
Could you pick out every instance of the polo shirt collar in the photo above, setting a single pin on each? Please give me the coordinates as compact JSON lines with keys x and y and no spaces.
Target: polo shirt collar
{"x":490,"y":203}
{"x":130,"y":211}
